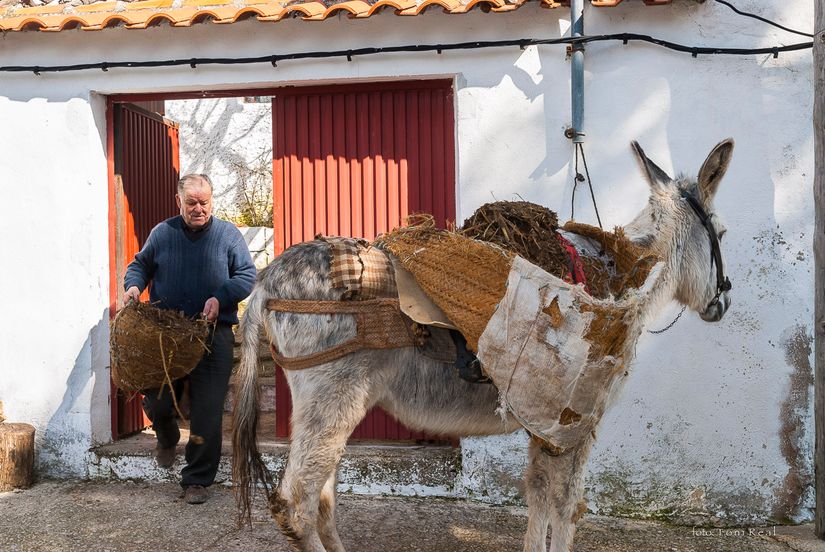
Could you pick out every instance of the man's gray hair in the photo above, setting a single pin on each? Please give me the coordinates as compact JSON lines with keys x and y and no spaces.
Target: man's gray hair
{"x":191,"y":179}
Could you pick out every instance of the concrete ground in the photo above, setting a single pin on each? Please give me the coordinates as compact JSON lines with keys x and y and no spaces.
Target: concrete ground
{"x":126,"y":516}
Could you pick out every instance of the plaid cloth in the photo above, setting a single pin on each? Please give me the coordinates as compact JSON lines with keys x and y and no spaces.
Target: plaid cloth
{"x":345,"y":266}
{"x":378,"y":278}
{"x":359,"y":270}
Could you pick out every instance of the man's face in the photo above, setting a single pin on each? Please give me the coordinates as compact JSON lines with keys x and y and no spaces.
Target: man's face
{"x":195,"y":202}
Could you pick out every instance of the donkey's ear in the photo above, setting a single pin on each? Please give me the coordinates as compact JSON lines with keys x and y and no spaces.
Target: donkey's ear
{"x":714,"y":168}
{"x":656,"y":177}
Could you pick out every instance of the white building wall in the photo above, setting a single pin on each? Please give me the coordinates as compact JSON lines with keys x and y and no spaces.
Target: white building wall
{"x":54,"y":345}
{"x":261,"y":243}
{"x":715,"y":419}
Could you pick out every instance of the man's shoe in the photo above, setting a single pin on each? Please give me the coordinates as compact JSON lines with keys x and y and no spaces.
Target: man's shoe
{"x":165,"y":457}
{"x":195,"y":494}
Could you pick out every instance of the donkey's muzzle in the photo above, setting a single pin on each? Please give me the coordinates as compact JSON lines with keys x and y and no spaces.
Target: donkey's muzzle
{"x":717,"y":309}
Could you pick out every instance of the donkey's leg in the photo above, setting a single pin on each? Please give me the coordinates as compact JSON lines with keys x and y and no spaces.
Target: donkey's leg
{"x":327,"y":529}
{"x":302,"y":506}
{"x":326,"y":409}
{"x":554,"y":496}
{"x":294,"y":505}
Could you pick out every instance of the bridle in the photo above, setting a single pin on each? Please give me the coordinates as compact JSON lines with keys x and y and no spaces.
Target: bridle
{"x":722,"y":282}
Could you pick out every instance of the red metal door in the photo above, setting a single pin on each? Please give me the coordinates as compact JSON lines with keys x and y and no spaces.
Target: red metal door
{"x":355,"y":161}
{"x":146,"y":172}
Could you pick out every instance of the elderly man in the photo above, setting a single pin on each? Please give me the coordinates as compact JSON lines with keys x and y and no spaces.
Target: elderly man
{"x":199,"y":265}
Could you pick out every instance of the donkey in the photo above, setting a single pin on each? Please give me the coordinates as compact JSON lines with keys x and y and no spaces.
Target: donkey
{"x":678,"y":224}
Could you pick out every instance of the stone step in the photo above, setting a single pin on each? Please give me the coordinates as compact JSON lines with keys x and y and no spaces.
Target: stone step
{"x":366,"y":468}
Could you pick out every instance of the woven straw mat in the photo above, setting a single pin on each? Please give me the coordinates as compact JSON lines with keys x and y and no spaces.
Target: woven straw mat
{"x":632,"y":263}
{"x":466,"y":278}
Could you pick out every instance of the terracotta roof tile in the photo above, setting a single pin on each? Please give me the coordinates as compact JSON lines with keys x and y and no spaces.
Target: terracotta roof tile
{"x":176,"y":13}
{"x":354,"y":8}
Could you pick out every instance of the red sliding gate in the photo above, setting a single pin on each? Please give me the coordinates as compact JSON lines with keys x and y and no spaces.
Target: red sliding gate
{"x":355,"y":161}
{"x":145,"y":170}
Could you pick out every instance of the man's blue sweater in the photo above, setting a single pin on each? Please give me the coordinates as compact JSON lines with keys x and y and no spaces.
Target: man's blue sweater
{"x":184,"y":273}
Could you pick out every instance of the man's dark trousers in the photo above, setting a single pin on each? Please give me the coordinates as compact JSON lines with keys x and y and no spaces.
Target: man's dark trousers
{"x":208,"y":383}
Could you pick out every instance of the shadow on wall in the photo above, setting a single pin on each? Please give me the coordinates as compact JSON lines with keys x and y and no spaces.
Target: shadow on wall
{"x":554,"y":92}
{"x":539,"y":73}
{"x":83,"y":418}
{"x":212,"y":139}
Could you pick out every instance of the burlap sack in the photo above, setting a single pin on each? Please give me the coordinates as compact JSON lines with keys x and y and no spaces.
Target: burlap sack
{"x":557,"y":354}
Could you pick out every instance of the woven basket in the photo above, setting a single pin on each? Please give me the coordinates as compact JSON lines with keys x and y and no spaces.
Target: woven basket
{"x":151,"y":347}
{"x":633,"y":263}
{"x":466,"y":278}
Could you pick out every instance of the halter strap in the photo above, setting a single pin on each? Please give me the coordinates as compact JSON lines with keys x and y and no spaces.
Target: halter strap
{"x":722,"y":282}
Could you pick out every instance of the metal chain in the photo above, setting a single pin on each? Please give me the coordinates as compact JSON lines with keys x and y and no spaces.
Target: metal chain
{"x":666,"y":328}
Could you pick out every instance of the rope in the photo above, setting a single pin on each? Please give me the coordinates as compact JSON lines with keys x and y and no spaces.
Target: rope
{"x":168,"y":379}
{"x":581,"y":178}
{"x":590,"y":185}
{"x":577,"y":177}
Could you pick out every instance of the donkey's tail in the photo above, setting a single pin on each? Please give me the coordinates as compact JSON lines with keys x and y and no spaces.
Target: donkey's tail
{"x":248,"y":468}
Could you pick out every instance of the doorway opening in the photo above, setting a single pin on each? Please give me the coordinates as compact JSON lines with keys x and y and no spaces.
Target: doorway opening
{"x":287,"y":164}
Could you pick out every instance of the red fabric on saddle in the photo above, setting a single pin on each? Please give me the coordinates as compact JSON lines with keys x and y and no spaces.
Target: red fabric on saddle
{"x":576,"y":274}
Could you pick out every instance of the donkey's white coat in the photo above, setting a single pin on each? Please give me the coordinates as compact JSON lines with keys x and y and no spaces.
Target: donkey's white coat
{"x":331,"y":399}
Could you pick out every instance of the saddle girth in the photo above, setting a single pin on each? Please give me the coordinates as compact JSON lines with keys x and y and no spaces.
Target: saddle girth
{"x":379,"y":325}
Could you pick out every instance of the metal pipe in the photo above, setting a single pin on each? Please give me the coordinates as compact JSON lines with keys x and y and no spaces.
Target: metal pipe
{"x":577,"y":71}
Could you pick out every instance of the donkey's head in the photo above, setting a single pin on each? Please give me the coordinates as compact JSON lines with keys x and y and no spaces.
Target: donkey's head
{"x":679,"y":225}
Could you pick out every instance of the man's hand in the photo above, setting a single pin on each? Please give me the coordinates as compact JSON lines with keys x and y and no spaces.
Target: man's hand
{"x":132,"y":294}
{"x":211,"y":308}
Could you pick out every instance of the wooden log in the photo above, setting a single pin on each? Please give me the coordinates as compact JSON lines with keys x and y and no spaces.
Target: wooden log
{"x":819,"y":262}
{"x":16,"y":456}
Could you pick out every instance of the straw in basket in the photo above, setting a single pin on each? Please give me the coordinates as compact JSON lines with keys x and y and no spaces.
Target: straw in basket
{"x":152,"y":347}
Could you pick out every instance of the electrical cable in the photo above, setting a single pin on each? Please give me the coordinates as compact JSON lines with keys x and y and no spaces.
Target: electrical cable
{"x":625,"y":38}
{"x":764,"y":20}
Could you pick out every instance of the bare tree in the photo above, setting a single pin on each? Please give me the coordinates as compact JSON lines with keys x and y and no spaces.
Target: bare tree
{"x":252,"y":204}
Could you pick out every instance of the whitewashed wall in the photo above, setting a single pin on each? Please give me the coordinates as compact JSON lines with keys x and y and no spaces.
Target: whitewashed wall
{"x":261,"y":243}
{"x":54,"y":347}
{"x":715,"y":421}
